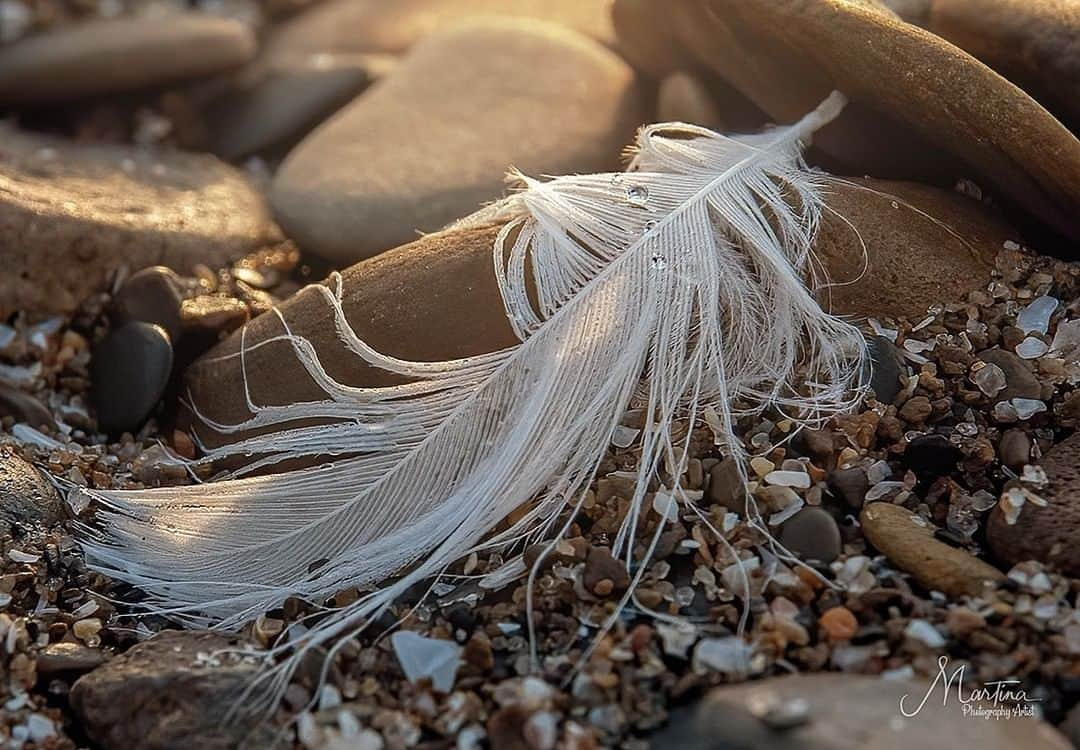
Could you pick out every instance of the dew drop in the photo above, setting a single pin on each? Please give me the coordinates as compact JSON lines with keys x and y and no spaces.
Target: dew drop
{"x":638,"y":195}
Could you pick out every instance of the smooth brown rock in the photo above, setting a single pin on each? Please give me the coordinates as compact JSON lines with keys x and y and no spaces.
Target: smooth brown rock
{"x":726,"y":487}
{"x":71,"y":215}
{"x":812,"y":534}
{"x":433,"y":142}
{"x":282,"y":101}
{"x":26,"y":497}
{"x":908,"y":541}
{"x":915,"y":97}
{"x":1020,"y":380}
{"x":684,"y":98}
{"x":116,"y":55}
{"x":843,"y":712}
{"x":1014,"y":450}
{"x":1033,"y":43}
{"x":1047,"y":534}
{"x":646,"y":35}
{"x":393,"y":27}
{"x":437,"y":298}
{"x":923,"y":246}
{"x":432,"y":299}
{"x":22,"y":407}
{"x":68,"y":657}
{"x":161,"y":695}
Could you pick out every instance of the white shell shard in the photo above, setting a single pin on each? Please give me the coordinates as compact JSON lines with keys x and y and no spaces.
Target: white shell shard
{"x":737,"y":576}
{"x":925,"y":633}
{"x":666,"y":505}
{"x":881,"y":489}
{"x":427,"y":658}
{"x":27,"y":435}
{"x":1031,"y":348}
{"x":726,"y":655}
{"x":1036,"y":316}
{"x":788,"y":478}
{"x":623,"y":436}
{"x":990,"y":379}
{"x":1026,"y":408}
{"x":1066,"y":343}
{"x":677,"y":637}
{"x":784,"y":514}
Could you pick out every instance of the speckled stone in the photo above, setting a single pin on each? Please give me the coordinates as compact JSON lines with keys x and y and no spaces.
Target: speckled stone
{"x":181,"y":702}
{"x":1033,"y":43}
{"x":72,"y":214}
{"x":1047,"y":534}
{"x":437,"y":298}
{"x":911,"y":260}
{"x":25,"y":496}
{"x":908,"y":541}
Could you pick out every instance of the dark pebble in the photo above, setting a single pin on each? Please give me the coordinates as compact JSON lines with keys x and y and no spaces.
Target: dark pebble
{"x":930,"y":457}
{"x":129,"y":371}
{"x":1015,"y":449}
{"x":817,"y":445}
{"x":850,"y":485}
{"x":23,"y":407}
{"x":152,"y":296}
{"x":887,"y":365}
{"x":726,"y":487}
{"x":812,"y":534}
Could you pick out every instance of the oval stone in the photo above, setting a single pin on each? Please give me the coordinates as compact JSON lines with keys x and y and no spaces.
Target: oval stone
{"x":1048,"y":534}
{"x":920,"y":106}
{"x":108,"y":56}
{"x":72,"y":214}
{"x":128,"y":374}
{"x":437,"y":298}
{"x":433,"y":141}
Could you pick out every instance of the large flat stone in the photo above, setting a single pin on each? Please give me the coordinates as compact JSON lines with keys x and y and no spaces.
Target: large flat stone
{"x":437,"y":298}
{"x":349,"y":26}
{"x":433,"y":141}
{"x":846,"y":712}
{"x":1033,"y":43}
{"x":108,"y":56}
{"x":72,"y":214}
{"x":283,"y":100}
{"x":921,"y":107}
{"x":173,"y":691}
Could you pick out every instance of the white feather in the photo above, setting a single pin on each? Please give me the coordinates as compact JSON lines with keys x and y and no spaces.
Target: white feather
{"x":682,"y":280}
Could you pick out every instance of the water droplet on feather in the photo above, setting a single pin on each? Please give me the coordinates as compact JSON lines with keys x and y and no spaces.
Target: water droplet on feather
{"x":638,"y":195}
